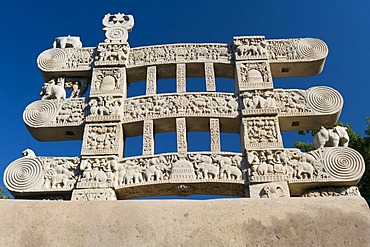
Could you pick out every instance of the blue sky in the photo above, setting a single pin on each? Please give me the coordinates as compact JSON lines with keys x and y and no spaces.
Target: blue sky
{"x":29,"y":27}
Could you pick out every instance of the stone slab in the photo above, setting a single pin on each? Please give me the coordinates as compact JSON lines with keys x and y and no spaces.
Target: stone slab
{"x":339,"y":221}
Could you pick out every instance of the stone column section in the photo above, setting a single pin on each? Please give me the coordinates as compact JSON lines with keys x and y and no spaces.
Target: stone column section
{"x":148,"y":137}
{"x":181,"y":78}
{"x":209,"y":73}
{"x":214,"y":127}
{"x":182,"y":144}
{"x":260,"y":125}
{"x":151,"y":80}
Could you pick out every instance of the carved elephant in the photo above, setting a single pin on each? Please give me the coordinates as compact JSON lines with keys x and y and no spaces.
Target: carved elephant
{"x":335,"y":137}
{"x":227,"y":168}
{"x":68,"y":42}
{"x":133,"y":175}
{"x":154,"y":173}
{"x":304,"y":170}
{"x":205,"y":165}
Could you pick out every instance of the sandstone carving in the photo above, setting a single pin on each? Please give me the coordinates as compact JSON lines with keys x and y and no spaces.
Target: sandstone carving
{"x":68,"y":41}
{"x":335,"y":137}
{"x":99,"y":112}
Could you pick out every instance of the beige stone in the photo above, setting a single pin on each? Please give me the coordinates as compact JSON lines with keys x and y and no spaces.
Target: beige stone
{"x":340,"y":221}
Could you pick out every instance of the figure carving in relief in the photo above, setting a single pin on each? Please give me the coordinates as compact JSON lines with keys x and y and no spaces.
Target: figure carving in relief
{"x":272,"y":191}
{"x":229,"y":167}
{"x":205,"y":167}
{"x":53,"y":90}
{"x":130,"y":172}
{"x":59,"y":173}
{"x":103,"y":106}
{"x":258,"y":99}
{"x":249,"y":49}
{"x":261,"y":131}
{"x":99,"y":170}
{"x":157,"y":169}
{"x":68,"y":42}
{"x":101,"y":137}
{"x":335,"y":137}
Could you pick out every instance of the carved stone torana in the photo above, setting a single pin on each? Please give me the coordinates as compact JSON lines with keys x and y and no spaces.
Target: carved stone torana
{"x":102,"y":139}
{"x":256,"y":111}
{"x":148,"y":137}
{"x":214,"y":126}
{"x":253,"y":75}
{"x":151,"y":80}
{"x":110,"y":81}
{"x":181,"y":78}
{"x":209,"y":72}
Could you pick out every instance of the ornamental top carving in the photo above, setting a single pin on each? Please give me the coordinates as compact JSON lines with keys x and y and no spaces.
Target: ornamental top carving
{"x":117,"y":27}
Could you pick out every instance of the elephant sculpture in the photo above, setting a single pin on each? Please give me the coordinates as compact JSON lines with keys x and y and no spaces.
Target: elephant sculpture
{"x":52,"y":90}
{"x":68,"y":42}
{"x":157,"y":168}
{"x":228,"y":168}
{"x":204,"y":165}
{"x":303,"y":170}
{"x":335,"y":137}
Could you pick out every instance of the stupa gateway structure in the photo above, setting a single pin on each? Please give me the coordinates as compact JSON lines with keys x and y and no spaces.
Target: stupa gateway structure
{"x":98,"y":111}
{"x":287,"y":197}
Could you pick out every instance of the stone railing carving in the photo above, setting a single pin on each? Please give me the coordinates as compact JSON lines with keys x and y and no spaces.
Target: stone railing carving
{"x":177,"y":105}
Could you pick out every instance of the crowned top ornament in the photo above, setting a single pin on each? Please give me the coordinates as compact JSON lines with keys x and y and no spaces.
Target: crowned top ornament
{"x":116,"y":27}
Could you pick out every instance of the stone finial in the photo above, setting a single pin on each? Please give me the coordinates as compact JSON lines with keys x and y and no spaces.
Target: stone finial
{"x":116,"y":27}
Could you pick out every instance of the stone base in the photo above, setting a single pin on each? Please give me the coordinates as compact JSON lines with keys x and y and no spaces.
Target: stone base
{"x":331,"y":221}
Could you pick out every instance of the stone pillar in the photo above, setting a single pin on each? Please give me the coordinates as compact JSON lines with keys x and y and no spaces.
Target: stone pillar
{"x":151,"y":80}
{"x":214,"y":126}
{"x":182,"y":144}
{"x":148,"y":137}
{"x":209,"y":74}
{"x":181,"y":78}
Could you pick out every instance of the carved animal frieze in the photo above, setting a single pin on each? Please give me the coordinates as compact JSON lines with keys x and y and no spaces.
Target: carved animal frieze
{"x":250,"y":47}
{"x":94,"y":195}
{"x":112,"y":54}
{"x":332,"y":191}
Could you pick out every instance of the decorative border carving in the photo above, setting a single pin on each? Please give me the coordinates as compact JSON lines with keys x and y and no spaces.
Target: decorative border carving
{"x":332,"y":191}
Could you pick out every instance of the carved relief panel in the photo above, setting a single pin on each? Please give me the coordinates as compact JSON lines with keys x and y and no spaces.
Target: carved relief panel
{"x":261,"y":132}
{"x":105,"y":108}
{"x":102,"y":139}
{"x":254,"y":75}
{"x":110,"y":81}
{"x":250,"y":48}
{"x":111,"y":54}
{"x":258,"y":102}
{"x":98,"y":171}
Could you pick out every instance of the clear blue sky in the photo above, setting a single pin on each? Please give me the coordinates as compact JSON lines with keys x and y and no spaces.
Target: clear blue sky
{"x":29,"y":27}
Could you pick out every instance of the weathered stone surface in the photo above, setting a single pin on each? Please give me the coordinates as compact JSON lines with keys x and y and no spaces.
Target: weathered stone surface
{"x":340,"y":221}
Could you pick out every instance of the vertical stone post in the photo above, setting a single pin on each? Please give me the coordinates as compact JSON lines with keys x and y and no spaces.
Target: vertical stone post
{"x":209,"y":73}
{"x":182,"y":144}
{"x":214,"y":126}
{"x":151,"y":80}
{"x":148,"y":137}
{"x":181,"y":78}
